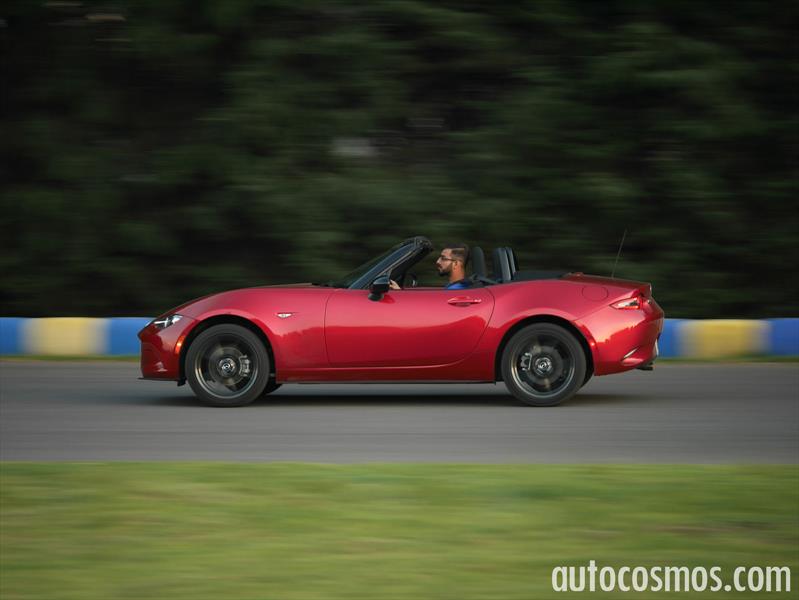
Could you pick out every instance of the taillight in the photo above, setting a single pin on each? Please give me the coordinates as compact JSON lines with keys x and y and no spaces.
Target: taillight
{"x":634,"y":303}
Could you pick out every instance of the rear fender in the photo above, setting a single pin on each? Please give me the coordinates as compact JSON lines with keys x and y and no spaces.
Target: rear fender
{"x":583,"y":336}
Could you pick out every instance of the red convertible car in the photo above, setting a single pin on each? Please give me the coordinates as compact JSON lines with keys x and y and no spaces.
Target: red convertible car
{"x":543,"y":333}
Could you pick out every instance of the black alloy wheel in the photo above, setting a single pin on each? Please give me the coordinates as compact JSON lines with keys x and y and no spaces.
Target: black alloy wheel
{"x":543,"y":365}
{"x":228,"y":365}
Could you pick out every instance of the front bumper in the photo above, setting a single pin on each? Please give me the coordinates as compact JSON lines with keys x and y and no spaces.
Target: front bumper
{"x":160,"y":349}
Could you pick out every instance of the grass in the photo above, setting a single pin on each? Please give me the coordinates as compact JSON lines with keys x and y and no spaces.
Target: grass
{"x":301,"y":531}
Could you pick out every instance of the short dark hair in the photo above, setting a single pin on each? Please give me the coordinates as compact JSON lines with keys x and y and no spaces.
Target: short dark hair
{"x":459,"y":251}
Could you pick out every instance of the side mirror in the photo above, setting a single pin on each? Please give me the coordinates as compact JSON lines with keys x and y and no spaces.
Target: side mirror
{"x":379,"y":286}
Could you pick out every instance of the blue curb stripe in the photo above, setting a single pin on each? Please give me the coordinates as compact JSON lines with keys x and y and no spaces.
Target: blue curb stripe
{"x":122,"y":334}
{"x":11,"y":335}
{"x":669,"y":342}
{"x":784,"y":337}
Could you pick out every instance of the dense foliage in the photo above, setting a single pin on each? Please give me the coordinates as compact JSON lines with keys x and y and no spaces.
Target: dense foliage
{"x":157,"y":150}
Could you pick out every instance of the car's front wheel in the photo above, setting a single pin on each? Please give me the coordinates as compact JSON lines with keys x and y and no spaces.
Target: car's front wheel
{"x":227,"y":365}
{"x":543,"y":365}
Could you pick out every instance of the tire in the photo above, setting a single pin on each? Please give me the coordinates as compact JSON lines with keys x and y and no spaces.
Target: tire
{"x":270,"y":387}
{"x":227,"y":365}
{"x":543,"y":365}
{"x":587,"y":378}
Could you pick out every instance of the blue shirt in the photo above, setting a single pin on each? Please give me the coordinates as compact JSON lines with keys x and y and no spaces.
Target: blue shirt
{"x":459,"y":285}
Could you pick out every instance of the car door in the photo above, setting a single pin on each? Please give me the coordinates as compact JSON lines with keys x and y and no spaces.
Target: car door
{"x":413,"y":327}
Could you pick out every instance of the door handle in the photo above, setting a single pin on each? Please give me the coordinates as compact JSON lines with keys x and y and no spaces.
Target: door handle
{"x":464,"y":301}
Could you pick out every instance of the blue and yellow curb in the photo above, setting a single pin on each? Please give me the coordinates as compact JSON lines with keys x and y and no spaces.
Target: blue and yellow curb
{"x":70,"y":336}
{"x":721,"y":338}
{"x":681,"y":338}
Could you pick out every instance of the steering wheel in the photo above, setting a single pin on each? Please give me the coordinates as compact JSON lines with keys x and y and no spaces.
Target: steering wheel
{"x":414,"y":282}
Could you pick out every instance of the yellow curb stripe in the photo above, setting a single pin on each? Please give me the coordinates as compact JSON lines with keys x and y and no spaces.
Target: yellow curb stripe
{"x":717,"y":338}
{"x":65,"y":336}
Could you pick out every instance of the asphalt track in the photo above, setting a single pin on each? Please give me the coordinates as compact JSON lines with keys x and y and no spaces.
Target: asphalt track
{"x":679,"y":413}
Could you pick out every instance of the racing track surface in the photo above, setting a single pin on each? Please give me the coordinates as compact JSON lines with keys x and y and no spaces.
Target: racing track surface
{"x":677,"y":413}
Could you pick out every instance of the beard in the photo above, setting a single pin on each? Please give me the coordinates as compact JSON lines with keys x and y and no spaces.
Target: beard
{"x":442,"y":273}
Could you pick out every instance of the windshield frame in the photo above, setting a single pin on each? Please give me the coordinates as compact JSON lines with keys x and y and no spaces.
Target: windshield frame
{"x":362,"y":277}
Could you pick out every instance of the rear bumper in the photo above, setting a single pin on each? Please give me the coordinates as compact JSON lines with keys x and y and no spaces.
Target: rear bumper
{"x":648,"y":366}
{"x":624,"y":339}
{"x":160,"y":350}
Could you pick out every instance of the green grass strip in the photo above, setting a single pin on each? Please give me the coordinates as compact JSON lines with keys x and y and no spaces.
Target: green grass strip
{"x":302,"y":531}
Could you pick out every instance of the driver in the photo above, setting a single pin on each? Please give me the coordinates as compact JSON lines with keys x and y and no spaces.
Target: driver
{"x":451,"y":263}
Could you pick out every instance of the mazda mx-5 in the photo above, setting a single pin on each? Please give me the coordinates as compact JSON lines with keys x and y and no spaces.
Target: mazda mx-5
{"x":544,"y":334}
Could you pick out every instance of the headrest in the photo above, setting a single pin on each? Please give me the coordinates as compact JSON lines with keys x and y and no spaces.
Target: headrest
{"x":478,"y":262}
{"x":514,"y":266}
{"x":502,"y":271}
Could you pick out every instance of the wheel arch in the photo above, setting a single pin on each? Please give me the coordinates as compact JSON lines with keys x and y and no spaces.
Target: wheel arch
{"x":225,"y":319}
{"x":567,"y":325}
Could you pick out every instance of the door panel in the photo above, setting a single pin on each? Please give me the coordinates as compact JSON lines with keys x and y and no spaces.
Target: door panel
{"x":414,"y":327}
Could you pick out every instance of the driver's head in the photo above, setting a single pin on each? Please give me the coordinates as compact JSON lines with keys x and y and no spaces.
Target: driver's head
{"x":453,"y":259}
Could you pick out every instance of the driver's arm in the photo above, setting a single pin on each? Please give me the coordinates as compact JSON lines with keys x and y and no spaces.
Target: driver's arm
{"x":394,"y":285}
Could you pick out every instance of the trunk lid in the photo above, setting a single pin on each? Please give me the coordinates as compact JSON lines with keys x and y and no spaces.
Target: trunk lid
{"x":617,"y":288}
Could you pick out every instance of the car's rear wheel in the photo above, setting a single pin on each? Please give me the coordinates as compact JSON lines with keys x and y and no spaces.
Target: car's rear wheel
{"x":543,"y":365}
{"x":227,"y":365}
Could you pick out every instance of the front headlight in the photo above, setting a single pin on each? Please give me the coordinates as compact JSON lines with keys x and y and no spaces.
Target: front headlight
{"x":165,"y":322}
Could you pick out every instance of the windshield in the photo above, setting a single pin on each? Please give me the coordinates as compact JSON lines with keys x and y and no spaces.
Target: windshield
{"x":353,"y":276}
